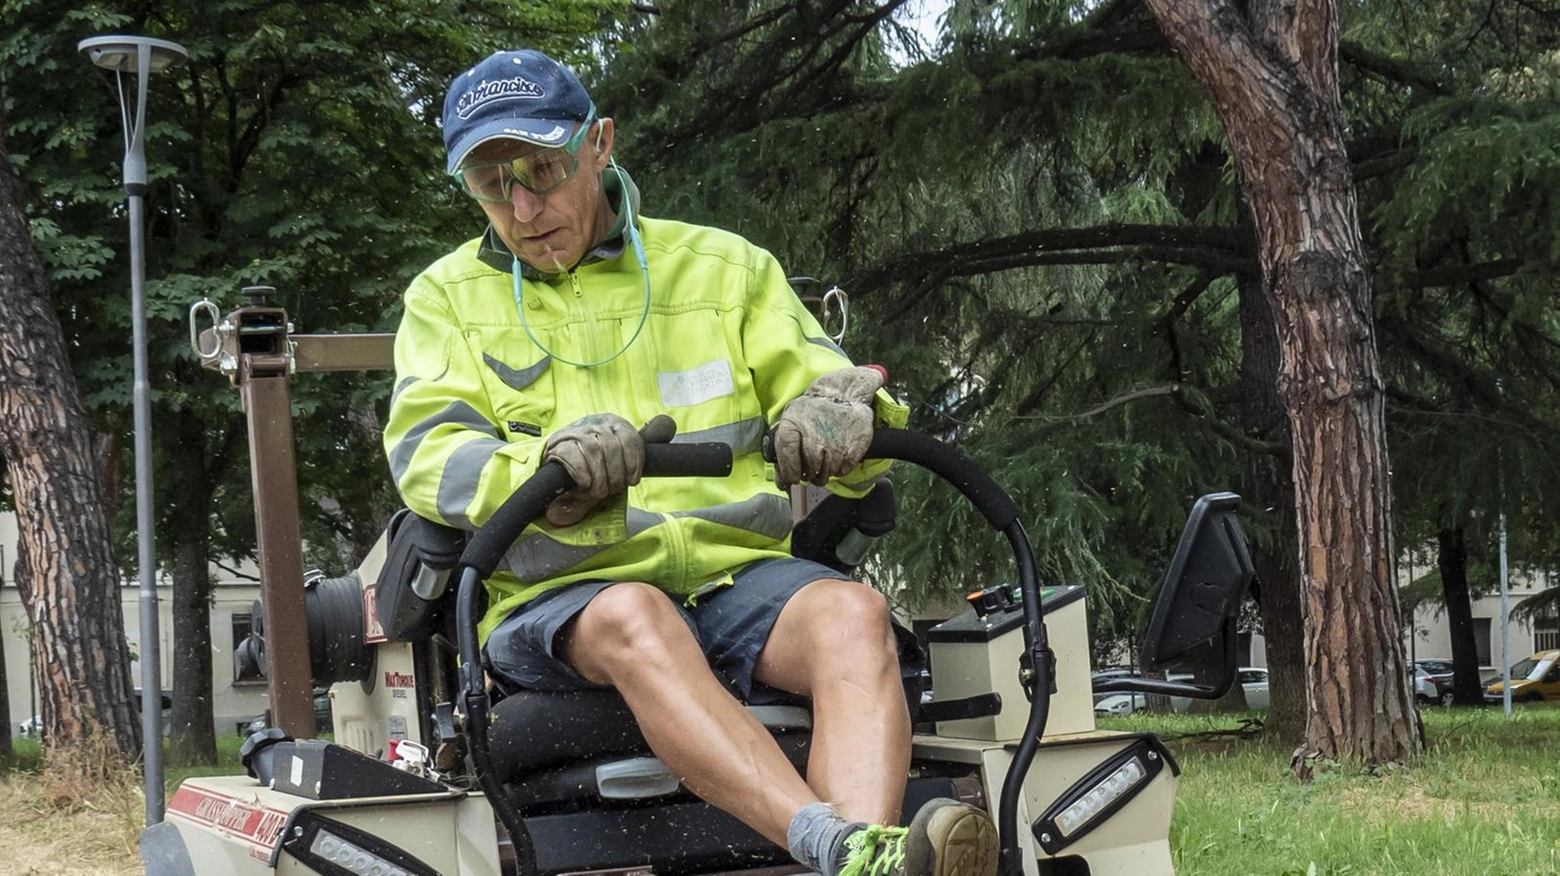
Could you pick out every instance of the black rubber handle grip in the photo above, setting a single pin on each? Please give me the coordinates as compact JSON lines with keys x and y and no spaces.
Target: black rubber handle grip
{"x":707,"y":460}
{"x":943,"y":460}
{"x":489,"y":543}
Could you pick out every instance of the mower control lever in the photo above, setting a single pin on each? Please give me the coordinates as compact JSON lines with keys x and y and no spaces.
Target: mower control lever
{"x":999,"y":599}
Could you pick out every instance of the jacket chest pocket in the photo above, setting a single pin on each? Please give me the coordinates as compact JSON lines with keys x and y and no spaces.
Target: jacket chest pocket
{"x":518,"y":379}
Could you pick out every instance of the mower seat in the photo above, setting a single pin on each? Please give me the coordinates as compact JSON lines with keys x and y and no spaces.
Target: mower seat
{"x":552,"y":748}
{"x":591,"y":794}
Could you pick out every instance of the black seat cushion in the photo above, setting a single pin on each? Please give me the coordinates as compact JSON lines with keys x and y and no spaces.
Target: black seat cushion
{"x":532,"y":729}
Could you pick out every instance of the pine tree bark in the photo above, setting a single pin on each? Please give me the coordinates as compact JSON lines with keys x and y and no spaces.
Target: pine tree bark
{"x":1271,"y":70}
{"x":1452,"y":560}
{"x":71,"y":587}
{"x":1272,"y":491}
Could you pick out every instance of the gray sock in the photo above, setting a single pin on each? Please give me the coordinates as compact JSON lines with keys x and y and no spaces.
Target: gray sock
{"x":816,"y":836}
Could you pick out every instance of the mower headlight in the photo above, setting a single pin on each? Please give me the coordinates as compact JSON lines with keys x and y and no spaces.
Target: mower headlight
{"x":349,"y":857}
{"x":1098,"y":795}
{"x":325,"y":845}
{"x":1125,"y":778}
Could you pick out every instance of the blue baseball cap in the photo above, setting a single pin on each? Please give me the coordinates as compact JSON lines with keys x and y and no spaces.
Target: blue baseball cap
{"x":521,"y":95}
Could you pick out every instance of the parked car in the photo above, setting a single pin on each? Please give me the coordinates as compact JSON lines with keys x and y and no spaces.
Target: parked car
{"x":1120,"y":704}
{"x":1109,"y":672}
{"x":323,"y":721}
{"x":1440,"y":671}
{"x":1536,"y":678}
{"x":34,"y":725}
{"x":1253,"y":679}
{"x":1431,"y":688}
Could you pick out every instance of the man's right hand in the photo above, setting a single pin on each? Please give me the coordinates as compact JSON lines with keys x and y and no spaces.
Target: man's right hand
{"x":605,"y":456}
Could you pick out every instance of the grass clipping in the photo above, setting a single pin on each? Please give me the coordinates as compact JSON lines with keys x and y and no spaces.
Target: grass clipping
{"x":74,"y":776}
{"x":81,"y":814}
{"x":97,"y":835}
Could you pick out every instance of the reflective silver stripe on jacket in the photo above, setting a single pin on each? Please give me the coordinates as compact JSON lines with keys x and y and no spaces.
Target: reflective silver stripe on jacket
{"x":536,"y":558}
{"x":456,"y":414}
{"x":517,"y":379}
{"x":828,"y":344}
{"x":767,"y":514}
{"x":401,"y":387}
{"x":458,"y":481}
{"x":742,"y":436}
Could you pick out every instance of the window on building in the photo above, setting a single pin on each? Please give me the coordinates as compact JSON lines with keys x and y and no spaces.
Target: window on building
{"x":245,"y":668}
{"x":1481,"y":640}
{"x":1546,"y":633}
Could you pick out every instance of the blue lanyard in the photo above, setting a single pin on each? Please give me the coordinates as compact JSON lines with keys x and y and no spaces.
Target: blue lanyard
{"x":644,"y":271}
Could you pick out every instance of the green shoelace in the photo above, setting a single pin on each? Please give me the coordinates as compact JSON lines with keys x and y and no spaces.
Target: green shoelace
{"x":875,"y":850}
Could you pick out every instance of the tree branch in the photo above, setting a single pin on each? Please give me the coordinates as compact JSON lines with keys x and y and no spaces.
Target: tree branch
{"x":1393,"y":70}
{"x":1118,"y":401}
{"x":1453,"y":275}
{"x":1219,"y":250}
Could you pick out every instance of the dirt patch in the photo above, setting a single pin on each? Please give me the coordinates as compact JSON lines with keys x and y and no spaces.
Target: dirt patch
{"x":98,"y":838}
{"x":1413,"y":803}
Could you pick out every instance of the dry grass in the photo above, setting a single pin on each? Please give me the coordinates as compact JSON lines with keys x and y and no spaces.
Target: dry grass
{"x":94,"y":837}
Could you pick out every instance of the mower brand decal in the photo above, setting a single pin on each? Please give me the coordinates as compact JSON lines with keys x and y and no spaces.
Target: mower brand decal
{"x":710,"y":380}
{"x":257,"y":825}
{"x":373,"y":633}
{"x":399,"y":683}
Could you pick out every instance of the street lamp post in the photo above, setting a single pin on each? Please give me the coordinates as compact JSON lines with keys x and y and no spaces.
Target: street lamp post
{"x":141,"y":56}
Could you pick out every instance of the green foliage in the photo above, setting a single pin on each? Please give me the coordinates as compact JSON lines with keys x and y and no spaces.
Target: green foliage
{"x":879,"y":174}
{"x":1100,"y":381}
{"x":298,"y":148}
{"x":1097,"y":375}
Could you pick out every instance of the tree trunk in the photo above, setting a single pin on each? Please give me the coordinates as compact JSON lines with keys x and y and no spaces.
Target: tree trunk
{"x":1270,"y":67}
{"x":71,"y":589}
{"x":1452,"y":560}
{"x":366,"y":525}
{"x":1273,"y":492}
{"x":7,"y":749}
{"x":192,"y":737}
{"x":105,"y":450}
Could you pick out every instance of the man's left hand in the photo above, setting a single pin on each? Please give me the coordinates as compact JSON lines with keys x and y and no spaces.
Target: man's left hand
{"x":824,"y":433}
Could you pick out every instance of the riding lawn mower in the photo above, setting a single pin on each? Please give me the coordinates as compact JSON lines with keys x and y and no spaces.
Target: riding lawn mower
{"x":431,"y":771}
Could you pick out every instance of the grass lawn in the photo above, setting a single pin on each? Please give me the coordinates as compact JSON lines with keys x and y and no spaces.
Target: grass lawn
{"x":1484,"y":798}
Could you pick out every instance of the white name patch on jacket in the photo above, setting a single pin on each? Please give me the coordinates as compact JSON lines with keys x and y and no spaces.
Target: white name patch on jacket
{"x":682,"y":388}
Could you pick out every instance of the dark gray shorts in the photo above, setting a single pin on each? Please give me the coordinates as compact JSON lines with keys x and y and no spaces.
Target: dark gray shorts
{"x":731,"y":625}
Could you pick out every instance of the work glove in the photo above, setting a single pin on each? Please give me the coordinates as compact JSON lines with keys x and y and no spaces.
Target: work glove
{"x":604,"y":455}
{"x":824,"y":432}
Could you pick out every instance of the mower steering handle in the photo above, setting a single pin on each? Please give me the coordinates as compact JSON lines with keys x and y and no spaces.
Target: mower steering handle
{"x":488,"y":544}
{"x":941,"y":459}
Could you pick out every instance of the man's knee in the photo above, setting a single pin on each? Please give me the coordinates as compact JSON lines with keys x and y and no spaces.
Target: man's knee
{"x":626,"y":624}
{"x":848,"y":615}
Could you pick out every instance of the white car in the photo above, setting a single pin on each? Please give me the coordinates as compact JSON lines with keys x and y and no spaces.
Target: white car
{"x":1120,"y":704}
{"x":1253,"y":679}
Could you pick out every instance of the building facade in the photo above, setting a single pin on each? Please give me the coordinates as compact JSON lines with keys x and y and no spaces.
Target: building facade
{"x":234,"y":700}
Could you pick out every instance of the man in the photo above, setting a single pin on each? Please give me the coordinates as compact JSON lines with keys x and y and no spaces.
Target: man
{"x":573,"y":317}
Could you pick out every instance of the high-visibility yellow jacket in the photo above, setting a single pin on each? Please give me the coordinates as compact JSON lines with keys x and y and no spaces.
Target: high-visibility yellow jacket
{"x":725,"y":346}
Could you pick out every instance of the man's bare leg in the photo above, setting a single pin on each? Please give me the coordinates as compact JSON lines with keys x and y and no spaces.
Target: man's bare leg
{"x":833,"y":643}
{"x":632,"y":637}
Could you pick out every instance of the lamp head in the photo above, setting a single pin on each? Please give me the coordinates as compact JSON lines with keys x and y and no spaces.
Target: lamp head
{"x":118,"y":53}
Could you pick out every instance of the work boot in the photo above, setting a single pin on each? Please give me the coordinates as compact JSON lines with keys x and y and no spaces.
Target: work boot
{"x":946,"y":838}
